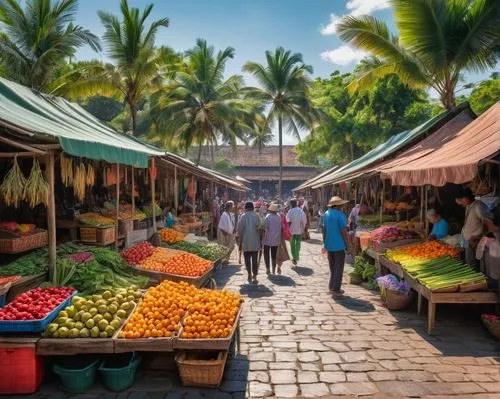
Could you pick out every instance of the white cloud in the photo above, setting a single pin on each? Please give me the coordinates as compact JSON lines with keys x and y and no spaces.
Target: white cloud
{"x":343,"y":55}
{"x":356,"y":8}
{"x":366,"y":7}
{"x":330,"y":29}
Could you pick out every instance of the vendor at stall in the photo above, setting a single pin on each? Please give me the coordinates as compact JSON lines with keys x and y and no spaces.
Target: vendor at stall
{"x":409,"y":196}
{"x":439,"y":225}
{"x":472,"y":231}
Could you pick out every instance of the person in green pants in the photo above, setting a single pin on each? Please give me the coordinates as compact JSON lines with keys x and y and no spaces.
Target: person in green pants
{"x":297,"y":220}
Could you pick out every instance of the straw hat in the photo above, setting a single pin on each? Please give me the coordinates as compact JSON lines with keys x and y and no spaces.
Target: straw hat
{"x":273,"y":208}
{"x":335,"y":201}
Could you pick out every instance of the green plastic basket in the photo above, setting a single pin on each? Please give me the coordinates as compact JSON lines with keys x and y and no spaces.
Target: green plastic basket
{"x":79,"y":376}
{"x":120,"y":375}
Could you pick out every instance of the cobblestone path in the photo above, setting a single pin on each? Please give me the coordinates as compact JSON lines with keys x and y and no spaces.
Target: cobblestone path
{"x":296,"y":341}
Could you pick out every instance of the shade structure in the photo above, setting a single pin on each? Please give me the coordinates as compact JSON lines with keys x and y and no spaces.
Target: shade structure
{"x":309,"y":183}
{"x":448,"y":156}
{"x":394,"y":145}
{"x":79,"y":133}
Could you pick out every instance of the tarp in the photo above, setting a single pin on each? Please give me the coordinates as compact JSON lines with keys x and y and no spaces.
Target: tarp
{"x":447,"y":156}
{"x":309,"y":183}
{"x":395,"y":143}
{"x":79,"y":133}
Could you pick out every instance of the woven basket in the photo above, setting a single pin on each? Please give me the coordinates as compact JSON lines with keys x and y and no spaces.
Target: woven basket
{"x":196,"y":371}
{"x":355,"y":279}
{"x":493,"y":327}
{"x":19,"y":244}
{"x":395,"y":300}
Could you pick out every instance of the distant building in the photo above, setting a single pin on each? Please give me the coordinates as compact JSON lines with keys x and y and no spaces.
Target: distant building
{"x":262,"y":168}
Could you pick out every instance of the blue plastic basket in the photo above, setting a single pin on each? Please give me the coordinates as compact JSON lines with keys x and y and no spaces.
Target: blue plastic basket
{"x":2,"y":300}
{"x":34,"y":326}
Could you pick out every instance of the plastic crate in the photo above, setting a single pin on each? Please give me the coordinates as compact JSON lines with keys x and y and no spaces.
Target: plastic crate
{"x":77,"y":373}
{"x":118,"y":374}
{"x":22,"y":370}
{"x":34,"y":326}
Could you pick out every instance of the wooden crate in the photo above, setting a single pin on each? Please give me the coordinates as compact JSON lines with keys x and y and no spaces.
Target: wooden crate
{"x":125,"y":226}
{"x":98,"y":235}
{"x":135,"y":237}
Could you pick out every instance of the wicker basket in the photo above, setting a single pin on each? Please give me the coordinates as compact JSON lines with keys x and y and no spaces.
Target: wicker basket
{"x":18,"y":244}
{"x":355,"y":279}
{"x":196,"y":370}
{"x":103,"y":236}
{"x":395,"y":300}
{"x":492,"y":326}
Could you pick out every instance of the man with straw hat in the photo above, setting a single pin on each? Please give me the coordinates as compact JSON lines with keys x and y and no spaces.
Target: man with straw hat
{"x":335,"y":242}
{"x":272,"y":238}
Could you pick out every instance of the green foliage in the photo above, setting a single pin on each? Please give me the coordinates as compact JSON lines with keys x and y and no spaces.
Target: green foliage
{"x":485,"y":94}
{"x":224,"y":165}
{"x":356,"y":123}
{"x":36,"y":40}
{"x":438,"y":40}
{"x":103,"y":108}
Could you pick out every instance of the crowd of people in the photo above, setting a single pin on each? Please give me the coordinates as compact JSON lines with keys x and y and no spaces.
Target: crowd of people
{"x":266,"y":231}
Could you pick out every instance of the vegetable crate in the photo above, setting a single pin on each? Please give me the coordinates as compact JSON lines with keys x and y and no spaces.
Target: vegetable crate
{"x":22,"y":370}
{"x":201,"y":369}
{"x":19,"y":244}
{"x":34,"y":326}
{"x":125,"y":226}
{"x":103,"y":236}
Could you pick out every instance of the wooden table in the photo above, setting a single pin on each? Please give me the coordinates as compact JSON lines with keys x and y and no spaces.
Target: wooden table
{"x":434,"y":298}
{"x":70,"y":225}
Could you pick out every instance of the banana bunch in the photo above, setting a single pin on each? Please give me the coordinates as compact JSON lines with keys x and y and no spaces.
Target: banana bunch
{"x":13,"y":186}
{"x":79,"y":182}
{"x":90,"y":178}
{"x":66,"y":170}
{"x":36,"y":190}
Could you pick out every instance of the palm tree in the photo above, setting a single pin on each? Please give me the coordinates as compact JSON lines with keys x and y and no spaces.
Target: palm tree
{"x":261,"y":134}
{"x":439,"y":40}
{"x":199,"y":106}
{"x":285,"y":84}
{"x":139,"y":67}
{"x":35,"y":41}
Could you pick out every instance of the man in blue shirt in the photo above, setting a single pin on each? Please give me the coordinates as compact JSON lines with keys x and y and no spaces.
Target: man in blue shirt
{"x":335,"y":242}
{"x":439,"y":225}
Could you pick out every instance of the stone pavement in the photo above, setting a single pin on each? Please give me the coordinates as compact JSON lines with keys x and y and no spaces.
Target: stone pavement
{"x":296,"y":341}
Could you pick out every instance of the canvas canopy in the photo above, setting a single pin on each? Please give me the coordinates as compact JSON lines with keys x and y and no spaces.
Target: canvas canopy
{"x":78,"y":132}
{"x":396,"y":143}
{"x":448,"y":156}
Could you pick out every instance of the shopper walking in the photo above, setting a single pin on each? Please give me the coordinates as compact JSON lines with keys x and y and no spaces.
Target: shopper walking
{"x":249,"y":236}
{"x":297,"y":221}
{"x":335,"y":243}
{"x":272,"y":237}
{"x":226,"y":230}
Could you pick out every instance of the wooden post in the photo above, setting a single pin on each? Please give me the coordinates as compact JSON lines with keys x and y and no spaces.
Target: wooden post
{"x":51,"y":214}
{"x":133,"y":190}
{"x":426,"y":205}
{"x":117,"y":203}
{"x":176,"y":191}
{"x":422,"y":206}
{"x":382,"y":196}
{"x":153,"y":188}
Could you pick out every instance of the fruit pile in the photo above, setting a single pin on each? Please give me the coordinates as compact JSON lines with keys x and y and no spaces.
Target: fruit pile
{"x":171,"y":236}
{"x":98,"y":316}
{"x":212,"y":314}
{"x":426,"y":250}
{"x":138,"y":253}
{"x":391,"y":233}
{"x":175,"y":262}
{"x":35,"y":304}
{"x":96,"y":220}
{"x":211,"y":251}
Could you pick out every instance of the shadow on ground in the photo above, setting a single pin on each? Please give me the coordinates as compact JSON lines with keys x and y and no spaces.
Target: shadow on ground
{"x":255,"y":291}
{"x":355,"y":304}
{"x":281,"y":280}
{"x":303,"y":271}
{"x":224,"y":273}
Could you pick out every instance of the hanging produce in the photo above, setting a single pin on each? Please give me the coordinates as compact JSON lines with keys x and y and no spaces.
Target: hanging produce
{"x":36,"y":190}
{"x":90,"y":177}
{"x":66,"y":170}
{"x":79,"y":183}
{"x":13,"y":186}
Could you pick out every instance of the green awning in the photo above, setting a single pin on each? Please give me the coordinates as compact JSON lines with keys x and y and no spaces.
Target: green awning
{"x":390,"y":147}
{"x":79,"y":133}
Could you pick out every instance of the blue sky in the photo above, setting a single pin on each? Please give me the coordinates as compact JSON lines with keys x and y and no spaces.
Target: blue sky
{"x":251,"y":27}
